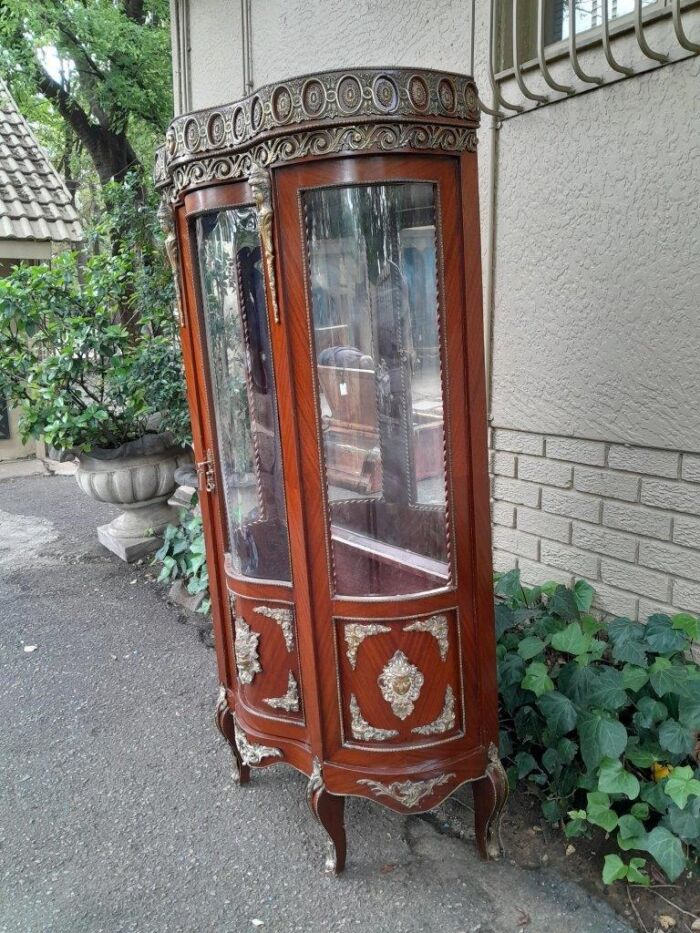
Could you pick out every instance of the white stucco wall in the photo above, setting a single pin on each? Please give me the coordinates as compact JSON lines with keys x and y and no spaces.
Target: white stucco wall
{"x":596,"y":280}
{"x":597,"y":322}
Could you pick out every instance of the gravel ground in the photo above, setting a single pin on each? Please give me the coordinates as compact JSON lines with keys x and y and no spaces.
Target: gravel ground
{"x":117,"y":810}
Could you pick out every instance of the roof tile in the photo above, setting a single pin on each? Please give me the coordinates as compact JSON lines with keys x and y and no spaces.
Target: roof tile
{"x":34,"y":202}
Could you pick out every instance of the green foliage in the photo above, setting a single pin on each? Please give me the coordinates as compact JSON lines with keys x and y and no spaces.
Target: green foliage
{"x":600,"y":721}
{"x":183,"y":557}
{"x":95,"y":73}
{"x":89,"y":347}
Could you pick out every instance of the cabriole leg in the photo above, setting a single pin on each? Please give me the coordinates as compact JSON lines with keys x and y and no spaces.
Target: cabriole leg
{"x":490,"y":795}
{"x":329,"y":810}
{"x":224,"y":722}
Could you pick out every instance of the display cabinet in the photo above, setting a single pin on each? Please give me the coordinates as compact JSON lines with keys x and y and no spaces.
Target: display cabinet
{"x":325,"y":238}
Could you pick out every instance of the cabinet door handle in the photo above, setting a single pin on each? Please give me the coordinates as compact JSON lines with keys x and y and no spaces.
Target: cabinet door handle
{"x":261,"y":183}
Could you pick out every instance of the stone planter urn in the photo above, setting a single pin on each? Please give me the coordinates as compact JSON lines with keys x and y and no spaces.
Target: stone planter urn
{"x":140,"y":478}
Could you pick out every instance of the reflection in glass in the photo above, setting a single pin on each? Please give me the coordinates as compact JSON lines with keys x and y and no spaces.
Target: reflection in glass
{"x":376,"y":330}
{"x":240,"y":363}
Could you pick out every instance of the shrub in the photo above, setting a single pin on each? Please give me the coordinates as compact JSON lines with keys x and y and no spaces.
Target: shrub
{"x":89,"y":347}
{"x":601,"y":720}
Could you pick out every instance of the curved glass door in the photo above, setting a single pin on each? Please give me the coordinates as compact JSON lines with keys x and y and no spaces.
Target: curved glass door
{"x":243,"y":390}
{"x":377,"y":334}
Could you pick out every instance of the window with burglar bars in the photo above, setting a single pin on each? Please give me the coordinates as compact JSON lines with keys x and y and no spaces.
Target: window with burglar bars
{"x":534,"y":46}
{"x":588,"y":13}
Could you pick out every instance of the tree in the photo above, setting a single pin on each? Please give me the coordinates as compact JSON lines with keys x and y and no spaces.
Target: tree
{"x":102,"y":65}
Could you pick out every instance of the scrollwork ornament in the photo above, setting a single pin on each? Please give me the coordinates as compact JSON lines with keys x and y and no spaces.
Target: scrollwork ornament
{"x":246,"y":650}
{"x":445,"y":721}
{"x":364,"y":731}
{"x":284,"y":618}
{"x":355,"y":633}
{"x":400,"y":683}
{"x":252,"y":754}
{"x":436,"y":626}
{"x":407,"y":793}
{"x":290,"y":701}
{"x":259,"y":126}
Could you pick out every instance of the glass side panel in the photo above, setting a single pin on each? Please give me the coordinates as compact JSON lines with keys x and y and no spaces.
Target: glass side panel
{"x":240,"y":366}
{"x":375,"y":312}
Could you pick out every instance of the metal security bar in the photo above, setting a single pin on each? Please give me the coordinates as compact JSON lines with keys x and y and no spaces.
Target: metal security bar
{"x":537,"y":80}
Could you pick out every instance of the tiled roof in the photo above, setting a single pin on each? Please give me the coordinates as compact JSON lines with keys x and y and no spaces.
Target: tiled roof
{"x":34,"y":202}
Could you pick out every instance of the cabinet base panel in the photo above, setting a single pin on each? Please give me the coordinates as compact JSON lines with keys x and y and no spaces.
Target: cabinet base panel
{"x":490,"y":792}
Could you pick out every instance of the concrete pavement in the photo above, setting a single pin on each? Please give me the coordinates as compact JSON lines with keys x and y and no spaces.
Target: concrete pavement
{"x":117,"y":810}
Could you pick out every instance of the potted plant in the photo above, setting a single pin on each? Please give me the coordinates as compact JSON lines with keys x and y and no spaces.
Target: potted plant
{"x":90,"y":357}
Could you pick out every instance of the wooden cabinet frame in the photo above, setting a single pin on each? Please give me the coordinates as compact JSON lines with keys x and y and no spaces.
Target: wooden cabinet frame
{"x":347,"y":129}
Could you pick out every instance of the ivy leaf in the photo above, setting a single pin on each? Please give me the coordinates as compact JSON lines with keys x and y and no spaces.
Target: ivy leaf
{"x":633,"y":677}
{"x":681,"y":785}
{"x":627,"y":638}
{"x":667,"y":851}
{"x":559,"y":712}
{"x":623,"y":629}
{"x":505,"y":744}
{"x":566,"y":749}
{"x":643,"y":756}
{"x":562,"y":603}
{"x":511,"y":670}
{"x":666,"y":677}
{"x":655,"y":796}
{"x":598,"y":811}
{"x":662,"y":637}
{"x":634,"y":874}
{"x":583,"y":595}
{"x":685,"y":622}
{"x":630,"y":827}
{"x":530,"y":647}
{"x":528,"y":724}
{"x":550,"y":759}
{"x":572,"y":640}
{"x":649,"y":712}
{"x":689,"y":705}
{"x":613,"y":779}
{"x":632,"y":652}
{"x":609,"y":690}
{"x":685,"y":823}
{"x":675,"y":738}
{"x":577,"y":682}
{"x":601,"y":737}
{"x":575,"y":827}
{"x":613,"y":869}
{"x":640,"y":810}
{"x":551,"y":811}
{"x":505,"y":619}
{"x":537,"y":679}
{"x":509,"y":585}
{"x":525,"y":764}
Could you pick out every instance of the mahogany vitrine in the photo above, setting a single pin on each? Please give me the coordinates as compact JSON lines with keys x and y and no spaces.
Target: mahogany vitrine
{"x":325,"y":237}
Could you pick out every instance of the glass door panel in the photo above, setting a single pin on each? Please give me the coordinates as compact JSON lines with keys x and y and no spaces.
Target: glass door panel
{"x":240,"y":363}
{"x":376,"y":325}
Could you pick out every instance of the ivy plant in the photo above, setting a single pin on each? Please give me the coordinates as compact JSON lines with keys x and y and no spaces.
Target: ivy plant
{"x":183,"y":557}
{"x":601,"y":720}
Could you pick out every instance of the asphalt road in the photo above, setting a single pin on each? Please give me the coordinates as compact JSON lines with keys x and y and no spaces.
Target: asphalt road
{"x":117,"y":810}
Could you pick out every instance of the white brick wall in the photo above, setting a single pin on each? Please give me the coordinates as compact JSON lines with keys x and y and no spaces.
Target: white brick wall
{"x":627,"y":519}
